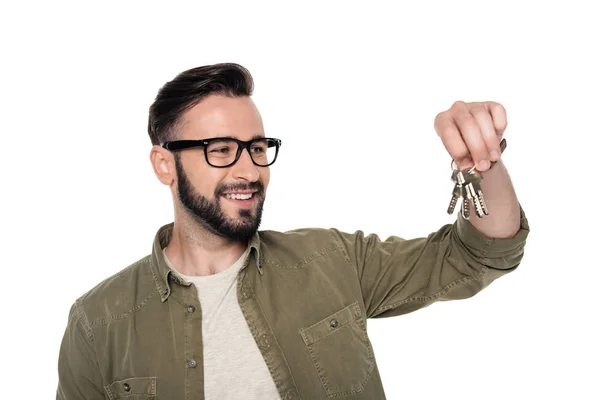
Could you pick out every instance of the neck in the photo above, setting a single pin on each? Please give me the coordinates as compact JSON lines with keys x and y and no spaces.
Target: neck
{"x":196,"y":251}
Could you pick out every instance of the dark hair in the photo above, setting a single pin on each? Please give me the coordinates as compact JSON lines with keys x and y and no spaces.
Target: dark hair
{"x":187,"y":89}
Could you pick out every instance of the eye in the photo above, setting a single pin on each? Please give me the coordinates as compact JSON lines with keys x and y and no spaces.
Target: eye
{"x":220,"y":150}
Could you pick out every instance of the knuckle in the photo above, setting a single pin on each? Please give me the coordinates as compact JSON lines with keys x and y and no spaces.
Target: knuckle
{"x":464,"y":119}
{"x":504,"y":121}
{"x":458,"y":104}
{"x":499,"y":109}
{"x":442,"y":122}
{"x":447,"y":132}
{"x":478,"y":108}
{"x":499,"y":106}
{"x":439,"y":118}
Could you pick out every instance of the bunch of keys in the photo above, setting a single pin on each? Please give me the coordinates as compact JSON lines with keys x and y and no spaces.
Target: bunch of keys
{"x":466,"y":185}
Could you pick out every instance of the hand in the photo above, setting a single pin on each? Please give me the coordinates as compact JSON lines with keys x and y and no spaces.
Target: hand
{"x":471,"y":133}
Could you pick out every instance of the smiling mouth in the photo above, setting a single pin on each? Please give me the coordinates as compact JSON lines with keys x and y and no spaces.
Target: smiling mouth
{"x":242,"y":200}
{"x":239,"y":196}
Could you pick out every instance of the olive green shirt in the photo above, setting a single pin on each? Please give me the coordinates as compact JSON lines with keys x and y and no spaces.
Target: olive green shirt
{"x":306,"y":295}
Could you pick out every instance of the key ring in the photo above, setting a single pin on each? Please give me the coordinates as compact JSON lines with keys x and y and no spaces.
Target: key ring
{"x":455,"y":167}
{"x":502,"y":147}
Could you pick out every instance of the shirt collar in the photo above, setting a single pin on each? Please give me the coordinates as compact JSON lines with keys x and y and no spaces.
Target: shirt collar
{"x":163,"y":274}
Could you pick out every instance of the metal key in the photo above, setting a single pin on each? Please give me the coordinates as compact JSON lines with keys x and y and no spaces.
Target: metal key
{"x":479,"y":195}
{"x":464,"y":193}
{"x":460,"y":191}
{"x":456,"y":192}
{"x":472,"y":179}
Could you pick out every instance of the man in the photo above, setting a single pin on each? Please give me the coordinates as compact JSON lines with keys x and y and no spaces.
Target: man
{"x":220,"y":310}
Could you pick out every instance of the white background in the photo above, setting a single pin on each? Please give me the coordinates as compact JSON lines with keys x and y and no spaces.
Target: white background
{"x":352,"y":89}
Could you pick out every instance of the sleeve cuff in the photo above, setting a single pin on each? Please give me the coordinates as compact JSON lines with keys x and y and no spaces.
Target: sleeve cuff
{"x":495,"y":252}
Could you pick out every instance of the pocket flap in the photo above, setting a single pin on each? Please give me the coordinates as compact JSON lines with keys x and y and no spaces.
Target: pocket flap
{"x":131,"y":386}
{"x":330,"y":324}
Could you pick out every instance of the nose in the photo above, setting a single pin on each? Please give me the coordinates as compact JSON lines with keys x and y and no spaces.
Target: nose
{"x":244,"y":168}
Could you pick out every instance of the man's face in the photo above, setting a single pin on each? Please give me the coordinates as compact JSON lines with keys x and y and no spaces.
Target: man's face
{"x":201,"y":188}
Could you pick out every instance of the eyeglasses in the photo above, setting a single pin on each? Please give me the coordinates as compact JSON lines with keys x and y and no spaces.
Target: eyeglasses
{"x":224,"y":152}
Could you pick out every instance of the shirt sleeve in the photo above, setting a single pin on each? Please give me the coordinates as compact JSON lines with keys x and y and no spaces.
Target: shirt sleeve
{"x":398,"y":276}
{"x":78,"y":373}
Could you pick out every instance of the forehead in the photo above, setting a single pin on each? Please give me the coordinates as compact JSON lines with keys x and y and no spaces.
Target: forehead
{"x":217,"y":116}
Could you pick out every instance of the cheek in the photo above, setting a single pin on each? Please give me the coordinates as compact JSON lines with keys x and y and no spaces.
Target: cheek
{"x":265,"y":177}
{"x":205,"y":181}
{"x":211,"y":180}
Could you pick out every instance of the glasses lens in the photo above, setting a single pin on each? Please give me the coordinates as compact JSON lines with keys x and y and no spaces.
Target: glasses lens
{"x":221,"y":152}
{"x":264,"y":151}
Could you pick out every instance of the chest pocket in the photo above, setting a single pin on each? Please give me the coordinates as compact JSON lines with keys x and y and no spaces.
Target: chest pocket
{"x":341,"y":351}
{"x":132,"y":388}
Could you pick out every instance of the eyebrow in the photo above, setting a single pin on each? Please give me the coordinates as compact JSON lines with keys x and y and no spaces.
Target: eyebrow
{"x":253,"y":137}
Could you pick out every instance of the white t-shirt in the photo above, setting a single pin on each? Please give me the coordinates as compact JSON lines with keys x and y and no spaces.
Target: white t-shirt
{"x":233,"y":365}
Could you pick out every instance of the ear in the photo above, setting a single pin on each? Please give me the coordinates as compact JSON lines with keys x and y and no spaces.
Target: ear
{"x":163,"y":164}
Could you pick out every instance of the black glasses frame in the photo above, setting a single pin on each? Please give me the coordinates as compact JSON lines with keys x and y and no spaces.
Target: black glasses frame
{"x":178,"y":145}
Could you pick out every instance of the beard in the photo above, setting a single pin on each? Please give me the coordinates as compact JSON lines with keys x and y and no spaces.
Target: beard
{"x":210,"y":214}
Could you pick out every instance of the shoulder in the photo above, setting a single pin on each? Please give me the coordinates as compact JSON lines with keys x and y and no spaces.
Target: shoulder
{"x":119,"y":295}
{"x":298,"y":247}
{"x":297,"y":237}
{"x":307,"y":237}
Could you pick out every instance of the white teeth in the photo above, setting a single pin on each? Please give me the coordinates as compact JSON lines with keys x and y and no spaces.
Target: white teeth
{"x":239,"y":196}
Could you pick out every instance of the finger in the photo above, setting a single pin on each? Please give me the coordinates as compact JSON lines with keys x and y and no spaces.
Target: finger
{"x":488,"y":131}
{"x":451,"y":138}
{"x":498,"y":113}
{"x":471,"y":135}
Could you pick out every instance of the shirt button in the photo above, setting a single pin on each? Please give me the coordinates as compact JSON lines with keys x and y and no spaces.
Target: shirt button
{"x":264,"y":342}
{"x":191,"y":309}
{"x":333,"y":323}
{"x":126,"y":387}
{"x":192,"y":363}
